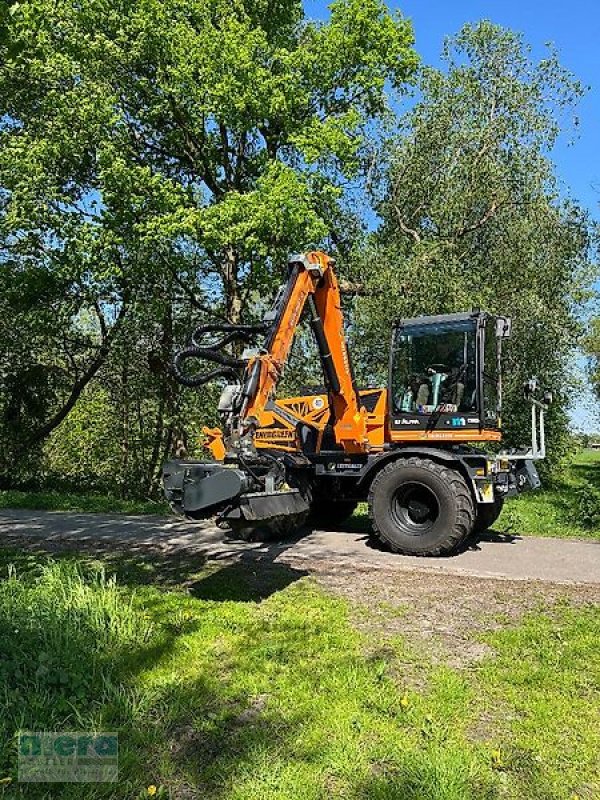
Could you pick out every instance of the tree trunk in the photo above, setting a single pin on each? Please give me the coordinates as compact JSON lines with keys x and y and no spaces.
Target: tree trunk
{"x":124,"y":429}
{"x":165,"y":406}
{"x":233,"y":297}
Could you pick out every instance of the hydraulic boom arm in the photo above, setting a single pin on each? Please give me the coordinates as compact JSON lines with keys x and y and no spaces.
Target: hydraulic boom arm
{"x":313,"y":282}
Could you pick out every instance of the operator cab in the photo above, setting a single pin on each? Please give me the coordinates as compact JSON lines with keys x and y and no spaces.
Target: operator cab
{"x":445,"y":372}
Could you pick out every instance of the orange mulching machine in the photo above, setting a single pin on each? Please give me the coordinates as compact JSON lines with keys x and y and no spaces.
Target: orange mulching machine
{"x":414,"y":450}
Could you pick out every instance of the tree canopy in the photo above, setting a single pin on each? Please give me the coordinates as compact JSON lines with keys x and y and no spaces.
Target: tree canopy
{"x":473,"y":216}
{"x":161,"y":156}
{"x":592,"y":349}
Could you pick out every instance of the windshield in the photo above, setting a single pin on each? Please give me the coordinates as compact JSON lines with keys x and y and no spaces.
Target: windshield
{"x":434,"y":368}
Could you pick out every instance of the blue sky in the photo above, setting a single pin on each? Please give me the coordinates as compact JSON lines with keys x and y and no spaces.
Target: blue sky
{"x":574,"y":28}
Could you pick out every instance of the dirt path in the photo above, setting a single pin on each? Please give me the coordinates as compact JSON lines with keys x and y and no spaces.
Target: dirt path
{"x":494,"y":556}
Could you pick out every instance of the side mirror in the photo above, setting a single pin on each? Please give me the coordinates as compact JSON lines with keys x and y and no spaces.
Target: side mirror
{"x":530,"y":387}
{"x":503,"y":327}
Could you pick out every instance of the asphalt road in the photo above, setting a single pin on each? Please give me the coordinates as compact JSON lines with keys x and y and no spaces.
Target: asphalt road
{"x":494,"y":556}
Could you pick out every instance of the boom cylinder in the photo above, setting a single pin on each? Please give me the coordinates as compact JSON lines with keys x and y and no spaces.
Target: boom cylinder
{"x":316,"y":323}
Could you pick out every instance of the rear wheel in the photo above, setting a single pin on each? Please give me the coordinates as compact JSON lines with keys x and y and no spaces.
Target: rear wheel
{"x":422,"y":508}
{"x":487,"y":514}
{"x":331,"y":514}
{"x":267,"y":530}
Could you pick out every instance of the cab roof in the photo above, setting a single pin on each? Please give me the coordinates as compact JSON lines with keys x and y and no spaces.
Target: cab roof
{"x":465,"y":320}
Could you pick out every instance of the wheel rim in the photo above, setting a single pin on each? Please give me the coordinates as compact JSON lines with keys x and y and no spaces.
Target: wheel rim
{"x":415,"y":508}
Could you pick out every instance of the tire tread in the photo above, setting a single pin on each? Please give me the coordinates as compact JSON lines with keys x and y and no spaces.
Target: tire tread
{"x":460,"y":489}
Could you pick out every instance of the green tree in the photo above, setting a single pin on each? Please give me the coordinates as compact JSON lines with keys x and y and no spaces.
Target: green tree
{"x":162,"y":156}
{"x":472,"y":214}
{"x":591,"y":346}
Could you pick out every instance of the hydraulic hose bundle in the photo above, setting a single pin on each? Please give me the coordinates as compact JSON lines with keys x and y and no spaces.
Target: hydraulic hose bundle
{"x":214,"y":351}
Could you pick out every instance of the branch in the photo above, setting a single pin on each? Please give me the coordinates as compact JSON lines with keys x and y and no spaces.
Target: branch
{"x":239,"y":162}
{"x":195,"y":150}
{"x":270,"y":134}
{"x":70,"y":357}
{"x":354,"y":289}
{"x":405,"y":228}
{"x":480,"y":222}
{"x":191,"y":295}
{"x":101,"y":321}
{"x":225,"y":149}
{"x":41,"y":433}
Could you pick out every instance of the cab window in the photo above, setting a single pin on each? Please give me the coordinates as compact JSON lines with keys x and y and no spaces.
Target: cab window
{"x":434,"y":368}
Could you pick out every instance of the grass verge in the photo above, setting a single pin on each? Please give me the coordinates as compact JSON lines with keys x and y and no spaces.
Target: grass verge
{"x":570,"y":509}
{"x":88,"y":503}
{"x":278,"y":697}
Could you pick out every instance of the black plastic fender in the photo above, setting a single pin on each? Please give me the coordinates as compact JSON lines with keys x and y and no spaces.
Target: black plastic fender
{"x":375,"y":463}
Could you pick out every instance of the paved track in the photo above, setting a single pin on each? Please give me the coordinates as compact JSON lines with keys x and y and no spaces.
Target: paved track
{"x":495,"y":556}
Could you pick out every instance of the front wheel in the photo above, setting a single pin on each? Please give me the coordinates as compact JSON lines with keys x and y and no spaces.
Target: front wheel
{"x":420,"y":507}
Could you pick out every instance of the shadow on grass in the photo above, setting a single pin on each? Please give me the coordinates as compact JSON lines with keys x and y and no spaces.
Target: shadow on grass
{"x":70,"y":654}
{"x":251,"y":578}
{"x":62,"y":674}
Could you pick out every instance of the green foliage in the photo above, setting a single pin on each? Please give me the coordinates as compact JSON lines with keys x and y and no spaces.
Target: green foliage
{"x":568,"y":508}
{"x":84,"y":449}
{"x":86,"y":503}
{"x":588,"y":507}
{"x":157,"y":160}
{"x":591,"y":346}
{"x":193,"y":125}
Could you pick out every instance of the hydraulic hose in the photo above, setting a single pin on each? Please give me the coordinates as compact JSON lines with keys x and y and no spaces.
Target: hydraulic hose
{"x":229,"y":366}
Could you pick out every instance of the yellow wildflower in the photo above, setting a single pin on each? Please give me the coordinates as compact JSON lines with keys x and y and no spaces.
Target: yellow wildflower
{"x":151,"y":790}
{"x":404,"y":700}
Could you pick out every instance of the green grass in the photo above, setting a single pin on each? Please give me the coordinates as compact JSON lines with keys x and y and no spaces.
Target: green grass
{"x":546,"y":678}
{"x":569,"y":509}
{"x":89,"y":503}
{"x":238,"y":691}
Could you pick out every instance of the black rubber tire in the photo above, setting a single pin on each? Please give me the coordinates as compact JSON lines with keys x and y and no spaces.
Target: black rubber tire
{"x":486,"y":514}
{"x":328,"y":506}
{"x":331,"y":514}
{"x":419,"y":507}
